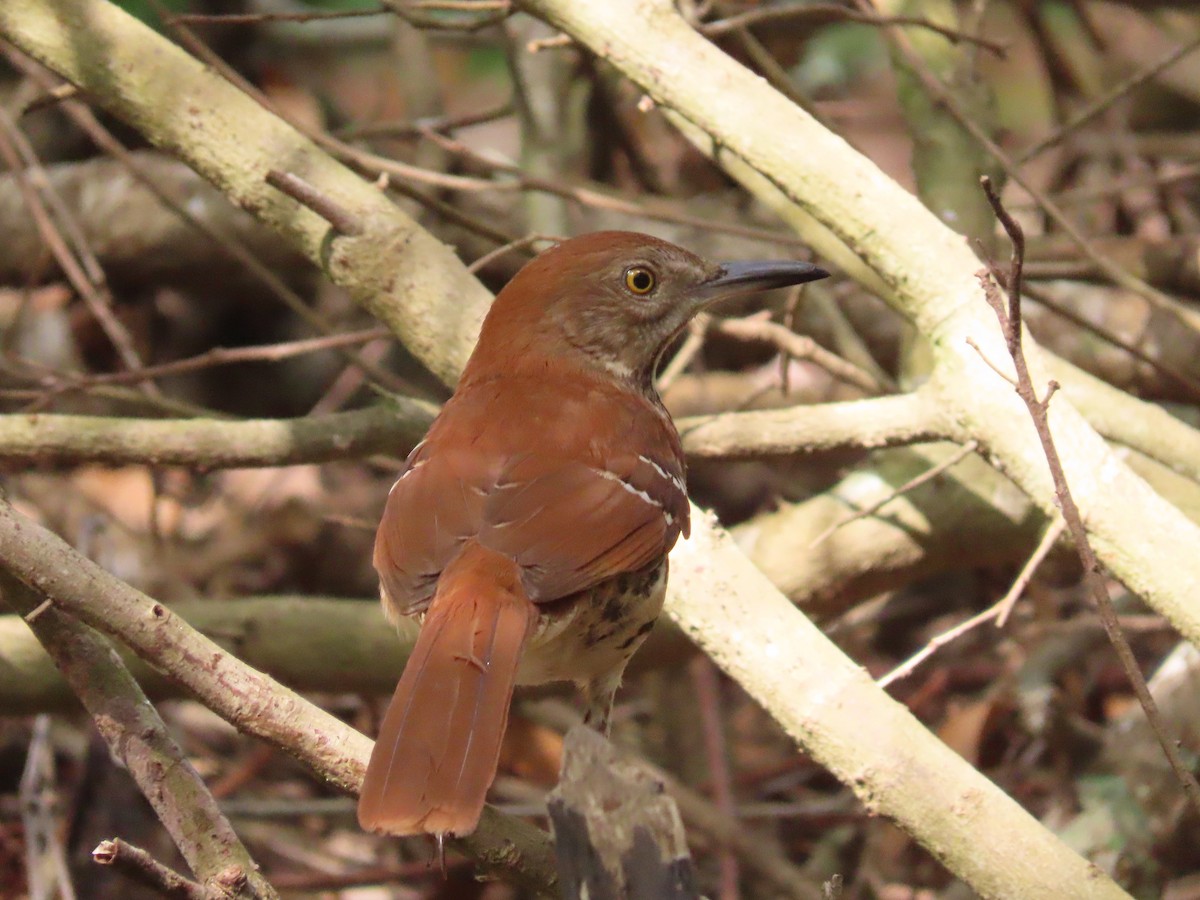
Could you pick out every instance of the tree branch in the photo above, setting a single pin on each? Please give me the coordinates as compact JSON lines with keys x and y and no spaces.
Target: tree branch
{"x":394,"y":428}
{"x":873,"y":744}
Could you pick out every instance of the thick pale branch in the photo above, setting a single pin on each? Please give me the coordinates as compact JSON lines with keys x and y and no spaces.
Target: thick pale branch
{"x":394,"y":428}
{"x":214,"y":444}
{"x":872,"y":743}
{"x":350,"y":652}
{"x":880,"y":422}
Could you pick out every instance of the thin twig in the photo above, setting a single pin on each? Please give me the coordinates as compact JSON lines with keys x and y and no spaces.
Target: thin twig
{"x":822,"y":11}
{"x":417,"y":13}
{"x":1103,"y":102}
{"x":708,"y":698}
{"x":258,"y":18}
{"x":78,"y":263}
{"x":350,"y":379}
{"x":798,"y":346}
{"x":1049,"y":538}
{"x":553,"y":42}
{"x":51,"y":97}
{"x":935,"y":643}
{"x":950,"y":462}
{"x":522,"y":243}
{"x":224,"y":356}
{"x":1010,"y":322}
{"x":692,"y":344}
{"x":343,"y":221}
{"x":411,"y":128}
{"x":139,"y":865}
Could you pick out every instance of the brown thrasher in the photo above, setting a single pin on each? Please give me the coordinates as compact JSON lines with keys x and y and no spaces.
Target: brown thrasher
{"x":529,"y":532}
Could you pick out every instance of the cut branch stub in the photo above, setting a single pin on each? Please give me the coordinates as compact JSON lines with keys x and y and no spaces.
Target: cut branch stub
{"x":616,"y":833}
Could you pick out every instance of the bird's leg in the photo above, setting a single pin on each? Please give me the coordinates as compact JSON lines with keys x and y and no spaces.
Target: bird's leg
{"x":598,"y":694}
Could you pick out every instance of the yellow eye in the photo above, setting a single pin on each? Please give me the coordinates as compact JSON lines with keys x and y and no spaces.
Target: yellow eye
{"x":639,"y":280}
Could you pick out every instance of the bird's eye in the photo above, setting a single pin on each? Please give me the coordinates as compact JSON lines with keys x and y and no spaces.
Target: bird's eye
{"x":639,"y":280}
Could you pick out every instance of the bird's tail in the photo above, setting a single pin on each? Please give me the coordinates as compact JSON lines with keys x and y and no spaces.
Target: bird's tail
{"x":439,"y":743}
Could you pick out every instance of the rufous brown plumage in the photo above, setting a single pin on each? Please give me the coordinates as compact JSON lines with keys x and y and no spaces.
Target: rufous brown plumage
{"x":529,"y":532}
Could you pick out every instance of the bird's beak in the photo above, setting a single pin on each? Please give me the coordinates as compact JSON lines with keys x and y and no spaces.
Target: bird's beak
{"x":755,"y":275}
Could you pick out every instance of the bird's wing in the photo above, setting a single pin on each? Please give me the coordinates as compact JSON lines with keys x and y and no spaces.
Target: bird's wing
{"x":572,"y":524}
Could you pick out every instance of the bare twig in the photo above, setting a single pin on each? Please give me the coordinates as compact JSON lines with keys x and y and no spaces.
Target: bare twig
{"x":418,"y":13}
{"x":772,"y":15}
{"x":934,"y":644}
{"x":522,"y":243}
{"x":708,"y":697}
{"x":224,"y":356}
{"x":1111,"y":96}
{"x":414,"y":128}
{"x":343,"y":221}
{"x":257,"y":18}
{"x":1045,"y":545}
{"x":798,"y":346}
{"x":139,"y":865}
{"x":692,"y":344}
{"x":46,"y":868}
{"x":998,"y":611}
{"x":1010,"y":322}
{"x":553,"y":42}
{"x":950,"y":462}
{"x":350,"y":379}
{"x":51,"y":97}
{"x":64,"y":238}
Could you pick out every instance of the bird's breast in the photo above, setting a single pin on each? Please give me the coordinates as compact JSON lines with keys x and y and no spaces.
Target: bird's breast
{"x":594,"y":632}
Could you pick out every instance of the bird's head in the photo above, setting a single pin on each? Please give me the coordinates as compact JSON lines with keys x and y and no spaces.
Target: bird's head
{"x":615,"y":299}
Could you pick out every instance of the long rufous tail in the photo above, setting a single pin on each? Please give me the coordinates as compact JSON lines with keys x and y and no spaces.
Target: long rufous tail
{"x":438,"y":747}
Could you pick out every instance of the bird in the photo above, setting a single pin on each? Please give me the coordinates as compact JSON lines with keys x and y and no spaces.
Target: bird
{"x":526,"y":539}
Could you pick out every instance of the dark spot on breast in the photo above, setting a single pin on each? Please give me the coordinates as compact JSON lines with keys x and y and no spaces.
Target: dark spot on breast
{"x":613,"y":609}
{"x":643,"y":630}
{"x":596,"y":636}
